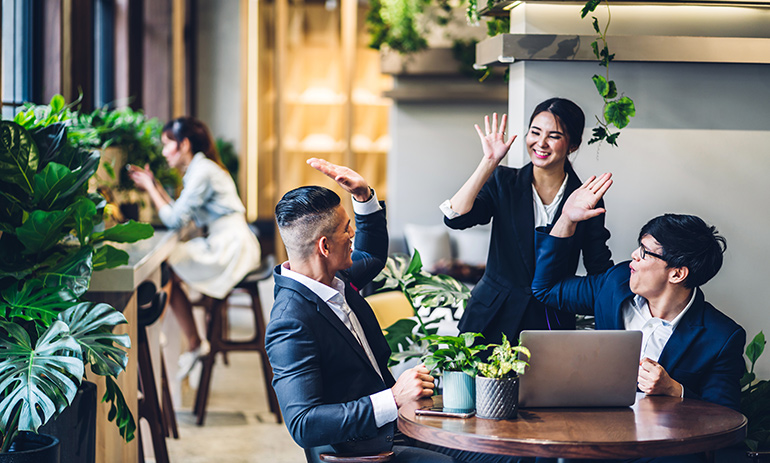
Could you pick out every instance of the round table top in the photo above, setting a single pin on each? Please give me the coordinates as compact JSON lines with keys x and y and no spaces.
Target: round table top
{"x":653,"y":426}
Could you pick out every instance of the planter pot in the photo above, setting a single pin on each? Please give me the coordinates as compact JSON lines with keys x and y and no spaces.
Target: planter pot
{"x":459,"y":391}
{"x":75,"y":427}
{"x":32,"y":448}
{"x":497,"y":399}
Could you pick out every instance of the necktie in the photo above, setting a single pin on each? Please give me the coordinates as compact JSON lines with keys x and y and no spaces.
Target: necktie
{"x":352,"y":323}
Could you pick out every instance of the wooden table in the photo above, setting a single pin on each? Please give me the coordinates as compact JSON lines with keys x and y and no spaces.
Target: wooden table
{"x":654,"y":426}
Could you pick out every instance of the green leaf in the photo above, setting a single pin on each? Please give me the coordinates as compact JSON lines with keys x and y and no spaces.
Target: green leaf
{"x":755,"y":348}
{"x":595,"y":48}
{"x":73,"y":272}
{"x":91,"y":326}
{"x":589,"y":7}
{"x":433,"y":291}
{"x":612,"y":139}
{"x":619,"y":111}
{"x":595,"y":23}
{"x":397,"y":334}
{"x":599,"y":134}
{"x":18,"y":156}
{"x":50,"y":185}
{"x":84,"y":170}
{"x":34,"y":302}
{"x":601,"y":85}
{"x":57,"y":103}
{"x":83,"y":213}
{"x":42,"y":381}
{"x":49,"y":141}
{"x":415,"y":265}
{"x":119,"y":411}
{"x":109,"y":257}
{"x":612,"y":91}
{"x":42,"y":230}
{"x":128,"y":232}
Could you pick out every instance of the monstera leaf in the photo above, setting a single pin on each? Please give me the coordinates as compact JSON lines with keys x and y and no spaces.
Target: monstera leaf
{"x":18,"y":156}
{"x":38,"y":382}
{"x":91,"y":326}
{"x":73,"y":272}
{"x":439,"y":291}
{"x":33,"y":302}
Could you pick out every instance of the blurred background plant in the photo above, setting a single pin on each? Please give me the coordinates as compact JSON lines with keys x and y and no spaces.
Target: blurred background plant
{"x":425,"y":291}
{"x":229,"y":157}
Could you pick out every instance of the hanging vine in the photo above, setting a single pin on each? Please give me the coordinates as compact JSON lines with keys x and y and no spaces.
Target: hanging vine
{"x":618,"y":109}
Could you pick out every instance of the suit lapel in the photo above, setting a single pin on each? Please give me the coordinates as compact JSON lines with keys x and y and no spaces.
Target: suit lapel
{"x":523,"y":218}
{"x":684,"y":335}
{"x":324,"y":310}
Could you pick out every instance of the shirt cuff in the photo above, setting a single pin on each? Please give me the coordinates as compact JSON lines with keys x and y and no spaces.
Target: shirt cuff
{"x":385,"y":409}
{"x":446,"y":208}
{"x":367,"y":207}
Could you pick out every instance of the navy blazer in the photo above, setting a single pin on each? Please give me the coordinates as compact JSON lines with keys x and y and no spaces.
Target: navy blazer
{"x":321,"y":374}
{"x":502,"y":301}
{"x":705,"y":352}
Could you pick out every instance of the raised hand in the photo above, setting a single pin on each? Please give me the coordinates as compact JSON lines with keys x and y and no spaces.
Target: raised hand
{"x":350,"y":180}
{"x":413,"y":384}
{"x":143,"y":178}
{"x":493,"y":139}
{"x":581,"y":205}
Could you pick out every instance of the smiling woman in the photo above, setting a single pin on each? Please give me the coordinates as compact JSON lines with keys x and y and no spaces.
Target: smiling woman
{"x":521,"y":200}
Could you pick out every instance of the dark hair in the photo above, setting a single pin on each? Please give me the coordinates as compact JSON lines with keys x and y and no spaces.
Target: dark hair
{"x":303,"y":215}
{"x":687,"y":241}
{"x":196,"y":131}
{"x":569,"y":114}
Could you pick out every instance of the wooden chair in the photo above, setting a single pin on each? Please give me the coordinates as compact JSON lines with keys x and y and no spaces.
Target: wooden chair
{"x":149,"y":402}
{"x":218,"y":337}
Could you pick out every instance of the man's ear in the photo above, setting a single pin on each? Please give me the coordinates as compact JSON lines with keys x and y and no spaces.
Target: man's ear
{"x":678,"y":275}
{"x":322,"y":245}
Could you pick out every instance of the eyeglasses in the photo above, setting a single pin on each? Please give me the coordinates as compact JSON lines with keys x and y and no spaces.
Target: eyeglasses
{"x":644,"y":252}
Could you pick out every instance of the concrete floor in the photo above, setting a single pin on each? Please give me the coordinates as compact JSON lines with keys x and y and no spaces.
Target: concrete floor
{"x":239,"y":427}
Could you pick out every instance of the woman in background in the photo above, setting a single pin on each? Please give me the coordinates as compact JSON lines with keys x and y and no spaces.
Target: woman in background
{"x":212,"y":264}
{"x":521,"y":200}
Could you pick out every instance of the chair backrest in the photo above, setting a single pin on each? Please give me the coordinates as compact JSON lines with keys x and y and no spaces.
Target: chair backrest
{"x":389,"y":307}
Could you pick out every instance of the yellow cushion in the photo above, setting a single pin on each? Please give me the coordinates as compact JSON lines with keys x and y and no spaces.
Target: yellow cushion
{"x":389,"y":307}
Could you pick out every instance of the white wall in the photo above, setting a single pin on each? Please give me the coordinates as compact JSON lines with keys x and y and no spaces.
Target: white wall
{"x":218,"y":73}
{"x":435,"y":149}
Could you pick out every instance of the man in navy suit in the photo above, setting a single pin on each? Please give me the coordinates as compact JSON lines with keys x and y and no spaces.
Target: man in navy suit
{"x":328,"y":353}
{"x":689,"y":348}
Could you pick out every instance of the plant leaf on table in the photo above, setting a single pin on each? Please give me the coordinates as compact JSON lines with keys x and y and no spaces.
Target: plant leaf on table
{"x":755,"y":399}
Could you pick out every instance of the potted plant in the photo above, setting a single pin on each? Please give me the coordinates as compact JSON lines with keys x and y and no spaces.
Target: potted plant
{"x":755,"y":399}
{"x":455,"y":357}
{"x":497,"y":381}
{"x":425,"y":292}
{"x":52,"y":238}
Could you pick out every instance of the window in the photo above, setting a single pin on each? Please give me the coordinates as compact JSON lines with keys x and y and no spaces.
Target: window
{"x":17,"y":55}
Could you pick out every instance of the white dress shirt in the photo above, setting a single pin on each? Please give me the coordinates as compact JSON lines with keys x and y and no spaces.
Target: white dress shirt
{"x":383,"y":402}
{"x":655,"y":331}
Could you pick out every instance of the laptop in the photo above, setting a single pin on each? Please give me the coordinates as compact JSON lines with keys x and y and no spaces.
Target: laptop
{"x":584,"y":368}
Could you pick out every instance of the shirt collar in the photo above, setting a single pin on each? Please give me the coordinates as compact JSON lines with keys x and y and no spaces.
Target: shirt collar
{"x":644,"y":308}
{"x":326,"y":293}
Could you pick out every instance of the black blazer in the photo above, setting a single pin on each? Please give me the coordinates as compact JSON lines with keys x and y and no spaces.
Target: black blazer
{"x":321,"y":374}
{"x":502,"y":301}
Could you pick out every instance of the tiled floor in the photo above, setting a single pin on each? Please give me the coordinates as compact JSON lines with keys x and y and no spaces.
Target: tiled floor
{"x":239,"y":427}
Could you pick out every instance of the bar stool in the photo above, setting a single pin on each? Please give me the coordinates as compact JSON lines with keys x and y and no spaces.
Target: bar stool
{"x":151,"y":306}
{"x":219,"y":340}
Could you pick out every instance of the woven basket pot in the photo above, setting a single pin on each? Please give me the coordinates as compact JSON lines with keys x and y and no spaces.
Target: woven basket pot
{"x":497,"y":399}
